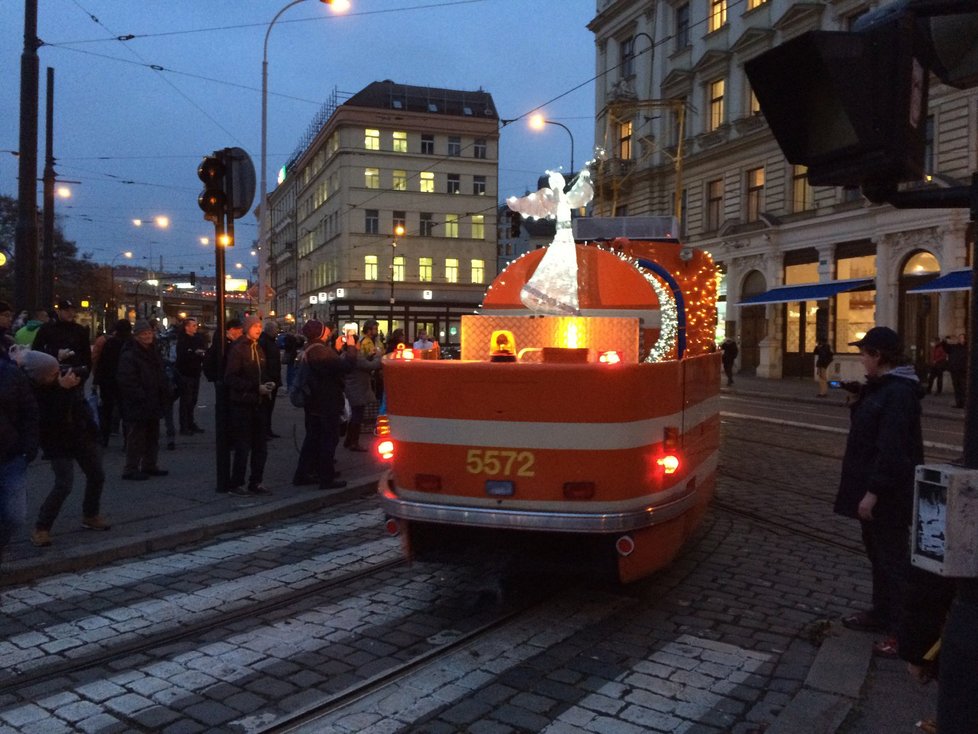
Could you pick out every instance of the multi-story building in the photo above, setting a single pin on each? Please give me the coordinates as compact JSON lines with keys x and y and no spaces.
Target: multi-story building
{"x":392,"y":158}
{"x":684,"y":133}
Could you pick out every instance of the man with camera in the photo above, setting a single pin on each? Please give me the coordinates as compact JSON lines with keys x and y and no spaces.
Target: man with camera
{"x":66,"y":341}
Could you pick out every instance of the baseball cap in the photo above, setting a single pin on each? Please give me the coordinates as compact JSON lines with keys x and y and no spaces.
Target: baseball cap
{"x":64,"y":303}
{"x":881,"y":338}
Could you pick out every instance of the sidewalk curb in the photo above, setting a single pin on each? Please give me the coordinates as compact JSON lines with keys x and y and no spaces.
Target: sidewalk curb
{"x":77,"y":558}
{"x":772,"y":395}
{"x":833,"y":685}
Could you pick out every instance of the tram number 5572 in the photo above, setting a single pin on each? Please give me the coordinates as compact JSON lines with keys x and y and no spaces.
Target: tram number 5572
{"x":495,"y":462}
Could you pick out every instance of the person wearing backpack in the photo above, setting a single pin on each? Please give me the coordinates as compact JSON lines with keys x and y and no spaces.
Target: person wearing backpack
{"x":319,"y":379}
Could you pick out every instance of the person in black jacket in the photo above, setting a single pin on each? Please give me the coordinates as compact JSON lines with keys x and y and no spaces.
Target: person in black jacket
{"x":323,"y":407}
{"x":273,"y":366}
{"x":884,"y":446}
{"x":144,"y":393}
{"x":191,"y":350}
{"x":65,"y":340}
{"x":18,"y":447}
{"x":249,"y":388}
{"x":730,"y":351}
{"x":212,"y":367}
{"x":957,"y":365}
{"x":105,"y":378}
{"x":67,"y":435}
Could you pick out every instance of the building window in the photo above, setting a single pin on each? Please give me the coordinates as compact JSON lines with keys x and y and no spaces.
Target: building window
{"x":626,"y":59}
{"x":371,"y":178}
{"x":425,"y":266}
{"x":454,"y":145}
{"x":479,"y":185}
{"x":718,"y":15}
{"x":428,"y":144}
{"x":398,"y":219}
{"x":753,"y":104}
{"x":480,"y":148}
{"x":714,"y":204}
{"x":478,"y":227}
{"x":427,"y":182}
{"x":716,"y":104}
{"x":399,"y":142}
{"x":451,"y":225}
{"x":802,"y":197}
{"x":370,"y":267}
{"x":371,"y":139}
{"x":478,"y":271}
{"x":427,"y":227}
{"x":682,"y":26}
{"x":752,"y":4}
{"x":854,"y":312}
{"x":755,"y":193}
{"x":399,"y":180}
{"x":625,"y":140}
{"x":397,"y":268}
{"x":451,"y":270}
{"x":454,"y":184}
{"x":371,"y":221}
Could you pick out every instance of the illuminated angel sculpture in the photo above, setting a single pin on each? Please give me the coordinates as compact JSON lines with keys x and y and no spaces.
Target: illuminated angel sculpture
{"x":553,"y":287}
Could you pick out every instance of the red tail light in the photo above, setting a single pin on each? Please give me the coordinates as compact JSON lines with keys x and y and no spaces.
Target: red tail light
{"x":669,"y":463}
{"x":385,"y":449}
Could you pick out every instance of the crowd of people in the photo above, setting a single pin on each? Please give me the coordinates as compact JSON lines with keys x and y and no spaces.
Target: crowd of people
{"x":141,"y":376}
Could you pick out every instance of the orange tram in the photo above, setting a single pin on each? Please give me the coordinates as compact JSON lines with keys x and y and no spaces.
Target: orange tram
{"x":600,"y":427}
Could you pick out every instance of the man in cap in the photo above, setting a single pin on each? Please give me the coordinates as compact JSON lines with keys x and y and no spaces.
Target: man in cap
{"x":144,"y":393}
{"x":249,"y":389}
{"x":884,"y":447}
{"x":65,"y":340}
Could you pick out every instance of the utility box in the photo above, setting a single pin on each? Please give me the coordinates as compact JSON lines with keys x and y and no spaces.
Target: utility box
{"x":944,"y":536}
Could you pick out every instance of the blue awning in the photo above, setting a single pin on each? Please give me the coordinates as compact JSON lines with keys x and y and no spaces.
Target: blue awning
{"x":808,"y":291}
{"x":956,"y":280}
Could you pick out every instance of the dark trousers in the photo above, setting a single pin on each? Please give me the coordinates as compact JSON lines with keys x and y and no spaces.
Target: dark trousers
{"x":728,"y":371}
{"x":957,"y":690}
{"x":936,"y":374}
{"x":888,"y":548}
{"x":319,"y":447}
{"x":142,"y":445}
{"x":267,"y":407}
{"x":89,"y":458}
{"x":189,"y":391}
{"x":108,"y":400}
{"x":247,"y":433}
{"x":958,"y":378}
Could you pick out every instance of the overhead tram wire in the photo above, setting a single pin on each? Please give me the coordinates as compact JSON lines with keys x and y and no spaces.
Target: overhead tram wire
{"x":166,"y":81}
{"x":264,"y":24}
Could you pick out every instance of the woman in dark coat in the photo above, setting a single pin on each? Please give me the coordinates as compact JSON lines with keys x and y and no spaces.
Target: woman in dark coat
{"x":144,"y":393}
{"x":884,"y":447}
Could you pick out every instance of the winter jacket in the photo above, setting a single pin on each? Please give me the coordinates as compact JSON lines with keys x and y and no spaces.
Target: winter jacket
{"x":144,"y":391}
{"x":57,"y":335}
{"x":357,"y":383}
{"x":66,"y":421}
{"x":107,"y":365}
{"x":327,"y":370}
{"x":823,"y":355}
{"x":885,"y":445}
{"x":188,"y":362}
{"x":18,"y":414}
{"x":273,"y":357}
{"x":245,"y":371}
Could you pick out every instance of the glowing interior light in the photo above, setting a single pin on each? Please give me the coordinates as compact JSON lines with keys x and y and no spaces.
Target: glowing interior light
{"x":386,"y":450}
{"x":571,"y":338}
{"x":610,"y":357}
{"x":669,"y":463}
{"x":407,"y":354}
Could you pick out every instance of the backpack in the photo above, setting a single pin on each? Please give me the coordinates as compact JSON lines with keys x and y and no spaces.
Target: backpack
{"x":301,"y":389}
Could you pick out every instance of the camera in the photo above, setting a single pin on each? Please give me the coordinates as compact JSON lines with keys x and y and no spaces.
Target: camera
{"x":80,"y":371}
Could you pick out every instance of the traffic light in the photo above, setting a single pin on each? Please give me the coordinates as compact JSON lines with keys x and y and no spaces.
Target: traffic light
{"x":213,"y":199}
{"x":851,"y":106}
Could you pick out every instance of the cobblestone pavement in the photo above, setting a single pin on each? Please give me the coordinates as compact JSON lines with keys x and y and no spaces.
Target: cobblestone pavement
{"x":721,"y":641}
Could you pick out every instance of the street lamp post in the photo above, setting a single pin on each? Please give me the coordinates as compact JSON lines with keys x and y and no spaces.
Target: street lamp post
{"x":265,"y":223}
{"x":538,"y":121}
{"x":128,"y":255}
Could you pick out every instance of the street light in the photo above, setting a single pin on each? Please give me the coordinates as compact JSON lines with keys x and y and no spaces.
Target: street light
{"x":338,"y":6}
{"x":538,"y":121}
{"x":398,"y":232}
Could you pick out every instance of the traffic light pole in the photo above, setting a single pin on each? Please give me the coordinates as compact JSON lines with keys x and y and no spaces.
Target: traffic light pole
{"x":220,"y":389}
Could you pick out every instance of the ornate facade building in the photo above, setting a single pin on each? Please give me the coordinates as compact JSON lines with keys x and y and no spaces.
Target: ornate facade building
{"x":388,"y":211}
{"x":683,"y":133}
